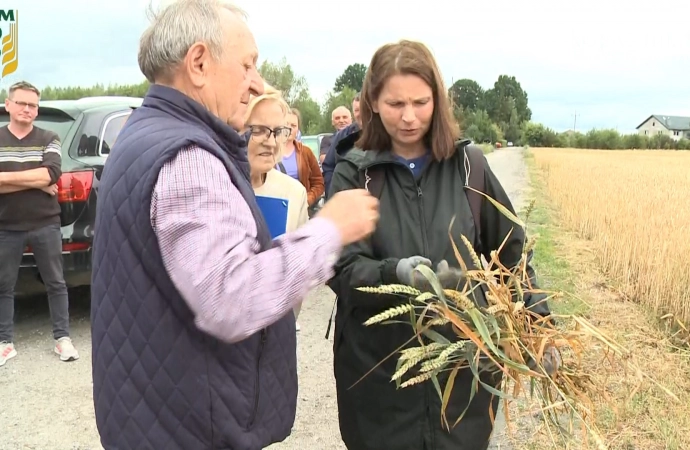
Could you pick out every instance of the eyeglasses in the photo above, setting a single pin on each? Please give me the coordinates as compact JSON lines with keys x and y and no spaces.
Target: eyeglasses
{"x":23,"y":105}
{"x":261,"y":133}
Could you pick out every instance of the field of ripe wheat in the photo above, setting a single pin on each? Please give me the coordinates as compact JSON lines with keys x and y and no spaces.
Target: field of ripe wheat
{"x":635,"y":208}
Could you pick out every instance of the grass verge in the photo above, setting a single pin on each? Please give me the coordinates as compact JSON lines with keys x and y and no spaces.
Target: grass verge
{"x":637,"y":415}
{"x":551,"y":263}
{"x":486,"y":148}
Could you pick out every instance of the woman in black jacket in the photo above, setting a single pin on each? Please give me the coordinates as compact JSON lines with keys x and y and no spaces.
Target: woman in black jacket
{"x":418,"y":167}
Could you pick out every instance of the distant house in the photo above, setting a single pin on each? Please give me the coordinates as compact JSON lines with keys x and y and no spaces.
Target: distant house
{"x":676,"y":127}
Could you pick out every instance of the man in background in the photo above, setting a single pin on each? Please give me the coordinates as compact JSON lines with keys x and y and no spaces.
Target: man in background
{"x":343,"y":138}
{"x":340,"y":118}
{"x":30,"y":166}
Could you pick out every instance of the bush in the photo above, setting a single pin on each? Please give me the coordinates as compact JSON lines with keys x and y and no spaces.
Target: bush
{"x":538,"y":135}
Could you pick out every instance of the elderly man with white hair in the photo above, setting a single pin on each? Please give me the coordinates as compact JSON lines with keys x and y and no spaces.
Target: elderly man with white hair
{"x":192,"y":327}
{"x":340,"y":118}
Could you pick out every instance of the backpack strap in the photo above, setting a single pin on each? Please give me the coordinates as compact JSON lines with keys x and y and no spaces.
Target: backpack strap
{"x":281,"y":166}
{"x":473,"y":162}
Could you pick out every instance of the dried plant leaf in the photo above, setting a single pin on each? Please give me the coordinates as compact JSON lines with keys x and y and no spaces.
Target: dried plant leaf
{"x":504,"y":336}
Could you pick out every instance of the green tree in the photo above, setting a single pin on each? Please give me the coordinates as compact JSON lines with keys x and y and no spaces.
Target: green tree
{"x":97,"y":90}
{"x":479,"y":127}
{"x":498,"y":100}
{"x":604,"y":139}
{"x":311,"y":114}
{"x":537,"y":135}
{"x":295,"y":92}
{"x":352,"y":77}
{"x":282,"y":77}
{"x":662,"y":142}
{"x":467,"y":93}
{"x":683,"y":144}
{"x":77,"y":92}
{"x":511,"y":128}
{"x":573,"y":139}
{"x":635,"y":141}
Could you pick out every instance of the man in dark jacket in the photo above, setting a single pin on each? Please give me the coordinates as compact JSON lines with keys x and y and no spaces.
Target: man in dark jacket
{"x":340,"y":118}
{"x":343,"y":140}
{"x":192,"y":327}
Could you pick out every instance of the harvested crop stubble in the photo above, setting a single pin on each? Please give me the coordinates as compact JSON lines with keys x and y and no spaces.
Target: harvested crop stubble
{"x":634,"y":206}
{"x":504,"y":336}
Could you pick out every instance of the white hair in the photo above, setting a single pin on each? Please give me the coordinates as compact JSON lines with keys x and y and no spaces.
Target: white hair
{"x":176,"y":27}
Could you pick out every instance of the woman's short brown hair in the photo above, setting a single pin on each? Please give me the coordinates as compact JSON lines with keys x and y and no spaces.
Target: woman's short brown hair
{"x":407,"y":58}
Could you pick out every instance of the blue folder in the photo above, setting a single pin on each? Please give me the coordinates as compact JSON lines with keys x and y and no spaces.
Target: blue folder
{"x":275,"y":211}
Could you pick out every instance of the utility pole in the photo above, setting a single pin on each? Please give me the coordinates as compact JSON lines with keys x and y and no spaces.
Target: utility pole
{"x":575,"y":122}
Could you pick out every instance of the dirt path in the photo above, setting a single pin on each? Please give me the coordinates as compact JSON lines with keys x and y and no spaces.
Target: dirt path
{"x":49,"y":403}
{"x":509,"y":166}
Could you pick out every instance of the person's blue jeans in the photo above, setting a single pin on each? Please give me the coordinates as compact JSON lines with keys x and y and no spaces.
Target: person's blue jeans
{"x":47,"y":248}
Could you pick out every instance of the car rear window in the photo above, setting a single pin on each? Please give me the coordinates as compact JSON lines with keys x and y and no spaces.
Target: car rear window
{"x":60,"y":125}
{"x":113,"y":125}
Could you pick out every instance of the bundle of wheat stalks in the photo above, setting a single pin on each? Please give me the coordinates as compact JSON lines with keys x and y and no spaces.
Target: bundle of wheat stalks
{"x":504,"y":335}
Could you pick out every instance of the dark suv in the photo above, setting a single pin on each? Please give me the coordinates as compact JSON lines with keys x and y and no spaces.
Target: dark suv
{"x":88,"y":128}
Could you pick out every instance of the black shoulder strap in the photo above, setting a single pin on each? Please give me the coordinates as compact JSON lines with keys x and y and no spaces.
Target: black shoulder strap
{"x":473,"y":162}
{"x":281,"y":166}
{"x":371,"y":179}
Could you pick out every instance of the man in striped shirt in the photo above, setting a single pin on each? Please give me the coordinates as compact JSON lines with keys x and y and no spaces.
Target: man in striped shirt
{"x":30,"y":165}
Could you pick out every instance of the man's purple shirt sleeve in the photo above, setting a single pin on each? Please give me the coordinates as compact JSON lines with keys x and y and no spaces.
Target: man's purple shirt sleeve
{"x":207,"y":236}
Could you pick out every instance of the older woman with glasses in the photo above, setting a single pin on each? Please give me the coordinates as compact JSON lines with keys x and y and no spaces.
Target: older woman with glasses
{"x":268,"y":131}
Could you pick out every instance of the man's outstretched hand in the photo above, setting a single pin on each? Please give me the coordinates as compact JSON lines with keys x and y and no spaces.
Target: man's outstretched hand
{"x":355,"y":212}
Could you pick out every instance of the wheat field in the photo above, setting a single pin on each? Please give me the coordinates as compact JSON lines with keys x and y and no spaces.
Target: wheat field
{"x":635,"y":208}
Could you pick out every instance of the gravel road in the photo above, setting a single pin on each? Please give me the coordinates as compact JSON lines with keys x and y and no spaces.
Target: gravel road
{"x":47,"y":404}
{"x":509,"y":166}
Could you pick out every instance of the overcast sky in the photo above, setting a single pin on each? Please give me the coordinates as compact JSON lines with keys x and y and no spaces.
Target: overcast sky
{"x":613,"y":63}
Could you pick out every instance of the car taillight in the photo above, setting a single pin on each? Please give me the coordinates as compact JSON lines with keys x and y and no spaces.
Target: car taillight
{"x":75,"y":186}
{"x":67,"y":247}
